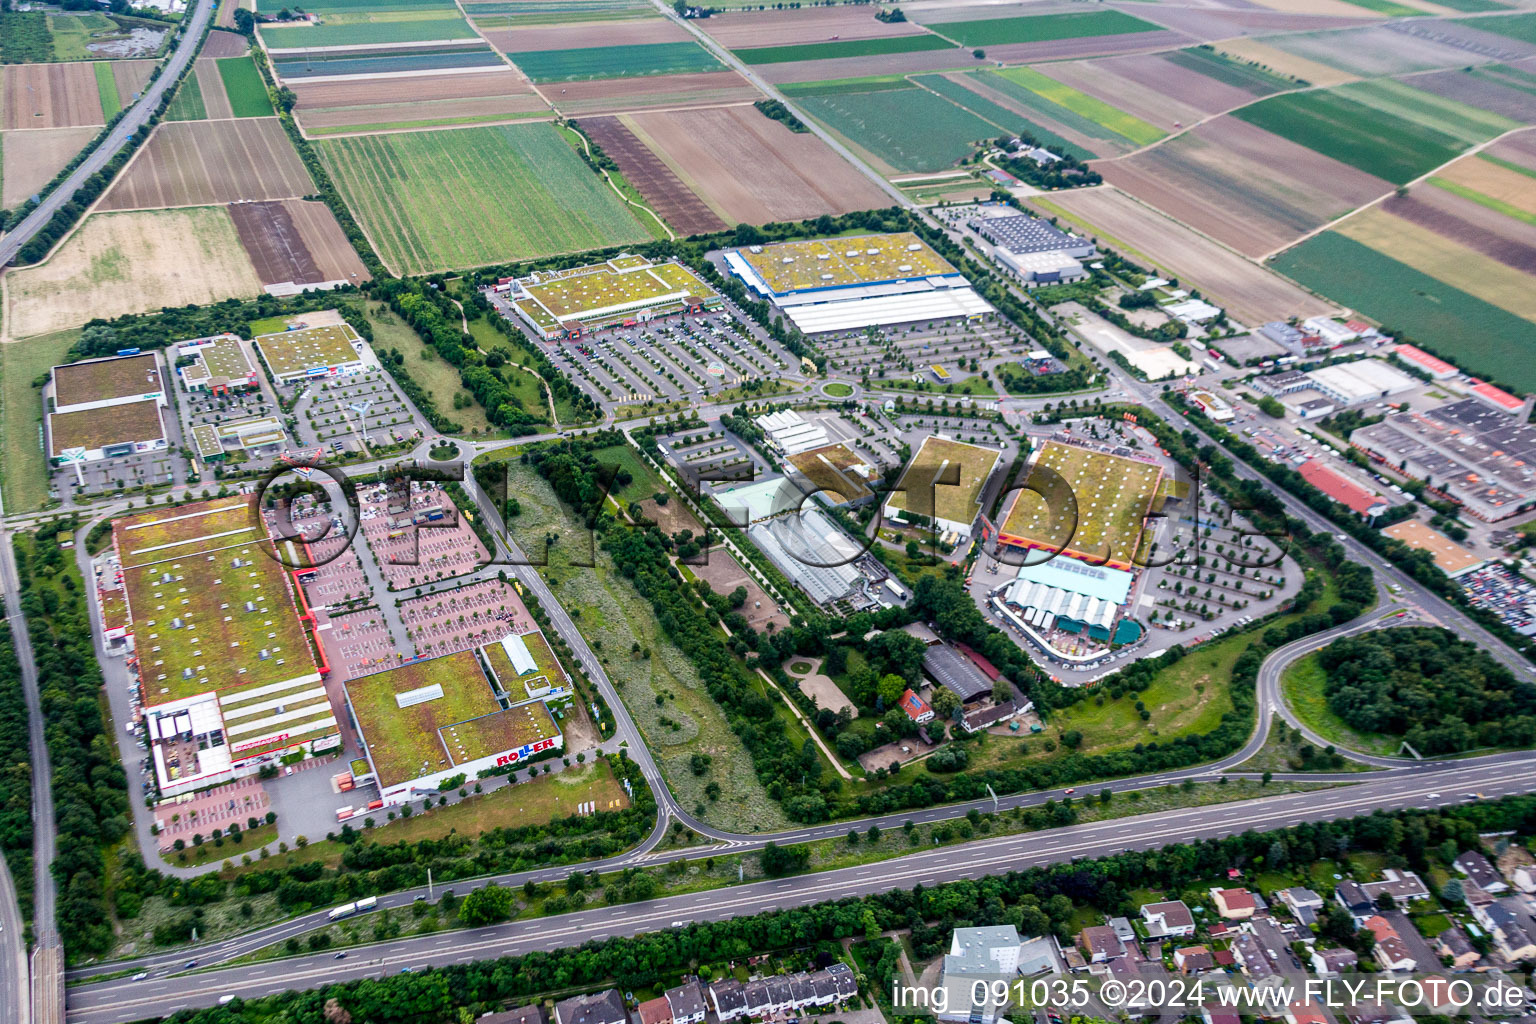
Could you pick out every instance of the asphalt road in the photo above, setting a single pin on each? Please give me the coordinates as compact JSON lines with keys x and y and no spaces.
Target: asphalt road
{"x":112,"y":1002}
{"x":13,"y":951}
{"x":132,"y":121}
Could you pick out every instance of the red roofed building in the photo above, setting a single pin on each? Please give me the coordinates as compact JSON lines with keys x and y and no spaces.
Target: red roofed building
{"x":1347,"y":493}
{"x":917,"y":709}
{"x":987,"y":668}
{"x":1496,"y":397}
{"x":1438,"y":369}
{"x":655,"y":1011}
{"x":1234,"y":904}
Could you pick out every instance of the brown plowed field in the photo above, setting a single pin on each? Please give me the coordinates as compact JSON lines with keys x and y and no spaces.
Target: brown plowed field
{"x":51,"y":95}
{"x":1154,"y":74}
{"x":1486,"y":177}
{"x":1252,"y":294}
{"x":312,"y":95}
{"x":753,"y":170}
{"x":1511,"y":242}
{"x":1207,"y":23}
{"x":296,"y":242}
{"x":199,"y":163}
{"x":1241,"y":185}
{"x":211,"y":85}
{"x":227,"y":9}
{"x":1519,"y":148}
{"x":224,"y":44}
{"x":663,"y":189}
{"x":587,"y":33}
{"x":1099,"y":79}
{"x":735,"y":29}
{"x":131,"y":76}
{"x":486,"y":108}
{"x":33,"y":158}
{"x":1458,"y":85}
{"x":615,"y":95}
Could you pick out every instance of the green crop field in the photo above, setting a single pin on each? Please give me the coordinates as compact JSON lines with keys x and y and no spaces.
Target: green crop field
{"x":614,"y":61}
{"x":1467,"y":124}
{"x":1388,"y":7}
{"x":1249,"y":77}
{"x":1473,"y":6}
{"x":871,"y":83}
{"x":845,"y":48}
{"x":1133,"y":129}
{"x":467,"y":197}
{"x":909,"y":129}
{"x":1010,"y":122}
{"x":187,"y":104}
{"x":106,"y":86}
{"x":451,"y":25}
{"x":247,"y":92}
{"x":71,"y":33}
{"x":1482,"y":337}
{"x":24,"y":37}
{"x":1515,"y":26}
{"x":1375,"y":141}
{"x":25,"y":468}
{"x":1041,"y":28}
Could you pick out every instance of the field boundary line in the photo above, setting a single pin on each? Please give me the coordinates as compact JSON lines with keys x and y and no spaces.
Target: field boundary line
{"x":586,"y":144}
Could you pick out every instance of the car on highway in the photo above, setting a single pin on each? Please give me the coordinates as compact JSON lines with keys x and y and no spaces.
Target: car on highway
{"x":189,"y":965}
{"x":140,"y":976}
{"x":405,"y":970}
{"x":1069,"y":790}
{"x":339,"y":956}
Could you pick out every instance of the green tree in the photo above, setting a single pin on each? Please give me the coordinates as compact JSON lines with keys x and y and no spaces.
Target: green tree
{"x":486,"y":905}
{"x":890,"y":689}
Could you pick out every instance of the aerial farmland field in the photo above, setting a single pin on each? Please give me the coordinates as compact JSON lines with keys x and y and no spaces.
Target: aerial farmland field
{"x":842,"y":48}
{"x":384,"y":62}
{"x":414,"y":101}
{"x":365,"y":26}
{"x":576,"y":65}
{"x":1482,"y":337}
{"x":1040,"y":28}
{"x":788,"y":26}
{"x":32,"y":158}
{"x":954,"y":89}
{"x":1212,"y":64}
{"x":1501,"y":88}
{"x":200,"y":163}
{"x":246,"y":91}
{"x":1088,"y":113}
{"x":1349,"y":130}
{"x":905,"y":128}
{"x":617,"y":95}
{"x":471,"y":196}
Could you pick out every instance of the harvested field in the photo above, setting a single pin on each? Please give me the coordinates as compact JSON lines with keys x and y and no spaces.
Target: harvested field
{"x":296,"y":242}
{"x":1481,"y":175}
{"x":1249,"y":292}
{"x":1374,"y":50}
{"x":227,"y":8}
{"x":662,"y":189}
{"x":1103,"y":81}
{"x":631,"y":32}
{"x":1488,"y":88}
{"x":1090,"y":46}
{"x":1037,"y":28}
{"x":32,"y":158}
{"x":750,"y":169}
{"x":1211,"y":23}
{"x":51,"y":95}
{"x":835,"y":49}
{"x":1241,"y":185}
{"x":1519,"y":149}
{"x":198,"y":163}
{"x":210,"y":87}
{"x":1444,"y":259}
{"x":615,"y":95}
{"x":839,"y":68}
{"x":734,"y":29}
{"x":343,"y":120}
{"x":473,"y":196}
{"x":1288,"y":64}
{"x":118,"y":263}
{"x":580,"y":65}
{"x":224,"y":44}
{"x":1484,"y":338}
{"x":1477,"y":37}
{"x":384,"y":91}
{"x":1508,"y":240}
{"x":131,"y":76}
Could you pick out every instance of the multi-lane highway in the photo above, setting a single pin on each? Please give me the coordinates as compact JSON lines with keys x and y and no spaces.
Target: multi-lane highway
{"x":119,"y":1000}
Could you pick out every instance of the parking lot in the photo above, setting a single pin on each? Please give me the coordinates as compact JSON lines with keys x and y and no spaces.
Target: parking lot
{"x":420,"y":539}
{"x":349,"y":413}
{"x":961,"y":347}
{"x":467,"y":616}
{"x":125,"y":473}
{"x":1506,"y":594}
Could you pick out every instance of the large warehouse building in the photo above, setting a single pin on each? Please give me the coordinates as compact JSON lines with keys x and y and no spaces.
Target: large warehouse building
{"x":1034,"y":249}
{"x":1067,"y":594}
{"x":219,"y":365}
{"x":625,"y":290}
{"x":844,"y":284}
{"x":106,"y":408}
{"x":224,"y":665}
{"x":325,"y":350}
{"x":816,"y":555}
{"x":1466,"y":450}
{"x":942,"y":484}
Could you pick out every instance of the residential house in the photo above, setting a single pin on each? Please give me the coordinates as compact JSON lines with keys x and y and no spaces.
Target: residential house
{"x":978,"y":954}
{"x":917,"y":709}
{"x":1210,"y":1016}
{"x":1403,"y":886}
{"x":1453,"y":943}
{"x":1352,"y":898}
{"x":606,"y":1007}
{"x":1193,"y":959}
{"x":985,"y":718}
{"x":1475,"y":895}
{"x":1510,"y":935}
{"x":1524,"y":877}
{"x":1123,"y":931}
{"x":1477,"y":867}
{"x":1391,"y":953}
{"x":1223,"y":957}
{"x":1304,"y":904}
{"x":729,"y":1001}
{"x":757,"y":1001}
{"x":1100,"y":943}
{"x":1334,"y":961}
{"x":843,"y":977}
{"x":686,"y":1002}
{"x":1250,"y":956}
{"x":1234,"y":904}
{"x":1378,"y":1013}
{"x":1304,"y":1011}
{"x":655,"y":1011}
{"x":521,"y":1015}
{"x":1171,"y":919}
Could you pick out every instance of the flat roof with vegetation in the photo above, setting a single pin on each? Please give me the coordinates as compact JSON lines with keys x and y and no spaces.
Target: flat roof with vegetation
{"x":101,"y":380}
{"x":462,"y":723}
{"x":624,"y":285}
{"x":188,"y":600}
{"x":944,"y":480}
{"x":292,"y":352}
{"x":843,"y":262}
{"x":831,"y":469}
{"x":129,"y":423}
{"x":1113,"y":495}
{"x":222,"y":359}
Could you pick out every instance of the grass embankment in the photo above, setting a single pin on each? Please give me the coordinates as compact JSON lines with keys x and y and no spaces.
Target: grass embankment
{"x":1302,"y":687}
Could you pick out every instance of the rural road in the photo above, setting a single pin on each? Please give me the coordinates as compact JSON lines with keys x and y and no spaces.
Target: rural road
{"x":132,"y":121}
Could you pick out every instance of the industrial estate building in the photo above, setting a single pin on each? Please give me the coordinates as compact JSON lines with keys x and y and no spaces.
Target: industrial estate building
{"x":1342,"y":489}
{"x":815,"y":555}
{"x":834,"y":473}
{"x":305,"y":353}
{"x":219,"y":365}
{"x":1467,"y":451}
{"x":841,"y":284}
{"x":1321,"y":392}
{"x":106,"y":408}
{"x":791,"y":433}
{"x":1451,"y":557}
{"x":1034,"y":249}
{"x":626,"y":290}
{"x":942,"y":484}
{"x":1074,"y":596}
{"x":213,"y":441}
{"x":218,"y":644}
